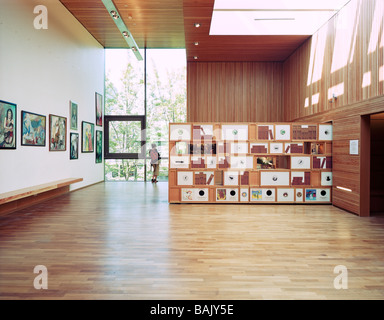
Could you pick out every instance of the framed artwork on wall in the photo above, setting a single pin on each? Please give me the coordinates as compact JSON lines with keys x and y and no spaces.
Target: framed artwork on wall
{"x":74,"y":148}
{"x":33,"y":129}
{"x":99,"y":109}
{"x":8,"y":125}
{"x":87,"y":137}
{"x":73,"y":111}
{"x":99,"y":146}
{"x":57,"y":133}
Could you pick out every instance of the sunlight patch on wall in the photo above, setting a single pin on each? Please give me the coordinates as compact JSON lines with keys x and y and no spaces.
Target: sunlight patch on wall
{"x":319,"y":41}
{"x":306,"y":103}
{"x":337,"y":90}
{"x":377,"y":24}
{"x":315,"y":98}
{"x":367,"y":79}
{"x":346,"y":30}
{"x":381,"y":73}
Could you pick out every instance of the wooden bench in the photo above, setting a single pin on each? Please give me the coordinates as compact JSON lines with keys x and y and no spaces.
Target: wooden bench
{"x":22,"y":198}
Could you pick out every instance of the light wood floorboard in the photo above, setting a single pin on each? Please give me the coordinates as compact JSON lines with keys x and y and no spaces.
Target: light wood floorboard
{"x":124,"y":241}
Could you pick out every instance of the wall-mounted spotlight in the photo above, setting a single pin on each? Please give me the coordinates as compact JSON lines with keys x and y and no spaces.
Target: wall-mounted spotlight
{"x":196,"y":43}
{"x":333,"y":99}
{"x":197,"y":25}
{"x":195,"y":57}
{"x":112,"y":10}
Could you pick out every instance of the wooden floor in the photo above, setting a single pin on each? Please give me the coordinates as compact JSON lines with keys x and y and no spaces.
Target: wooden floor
{"x":124,"y":241}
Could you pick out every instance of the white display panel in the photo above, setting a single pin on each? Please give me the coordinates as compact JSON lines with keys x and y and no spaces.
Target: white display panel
{"x":244,"y":194}
{"x":286,"y":195}
{"x":239,"y":147}
{"x":325,"y":132}
{"x":194,"y":194}
{"x":326,"y":178}
{"x":185,"y":178}
{"x":300,"y":162}
{"x":227,"y":194}
{"x":231,"y":178}
{"x":257,"y":194}
{"x":205,"y":130}
{"x":283,"y":132}
{"x":234,"y":132}
{"x":211,"y":162}
{"x":181,"y":162}
{"x":299,"y":195}
{"x":276,"y":147}
{"x":241,"y":162}
{"x":180,"y":132}
{"x":318,"y":195}
{"x":274,"y":178}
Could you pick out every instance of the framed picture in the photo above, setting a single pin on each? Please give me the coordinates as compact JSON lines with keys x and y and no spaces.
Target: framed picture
{"x":8,"y":113}
{"x":99,"y":109}
{"x":57,"y":133}
{"x":33,"y":129}
{"x":74,"y":149}
{"x":99,"y":146}
{"x":73,"y":114}
{"x":87,"y":137}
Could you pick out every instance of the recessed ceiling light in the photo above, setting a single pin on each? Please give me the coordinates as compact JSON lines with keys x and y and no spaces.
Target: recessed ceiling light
{"x":197,"y":25}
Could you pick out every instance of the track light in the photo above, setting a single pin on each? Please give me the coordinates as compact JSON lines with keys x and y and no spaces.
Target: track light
{"x":114,"y":14}
{"x":112,"y":10}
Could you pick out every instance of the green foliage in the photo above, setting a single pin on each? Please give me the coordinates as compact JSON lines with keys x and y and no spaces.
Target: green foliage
{"x":166,"y":102}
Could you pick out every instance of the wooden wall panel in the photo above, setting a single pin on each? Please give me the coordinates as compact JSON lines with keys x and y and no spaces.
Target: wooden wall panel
{"x":234,"y":91}
{"x":344,"y":57}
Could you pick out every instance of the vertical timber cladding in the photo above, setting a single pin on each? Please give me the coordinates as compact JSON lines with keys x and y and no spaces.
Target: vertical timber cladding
{"x":250,"y":163}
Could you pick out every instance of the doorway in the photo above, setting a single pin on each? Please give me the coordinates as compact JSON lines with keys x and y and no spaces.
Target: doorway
{"x":377,"y":164}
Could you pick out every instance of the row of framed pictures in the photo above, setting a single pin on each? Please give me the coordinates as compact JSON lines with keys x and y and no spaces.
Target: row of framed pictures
{"x":33,"y":130}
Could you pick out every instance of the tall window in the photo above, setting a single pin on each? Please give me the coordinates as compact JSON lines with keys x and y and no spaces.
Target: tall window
{"x":154,"y":89}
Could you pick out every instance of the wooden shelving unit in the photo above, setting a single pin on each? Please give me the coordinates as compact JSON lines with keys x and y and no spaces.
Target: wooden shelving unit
{"x":250,"y":163}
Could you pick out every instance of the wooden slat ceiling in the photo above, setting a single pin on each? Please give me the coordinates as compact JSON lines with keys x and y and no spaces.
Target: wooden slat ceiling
{"x":170,"y":24}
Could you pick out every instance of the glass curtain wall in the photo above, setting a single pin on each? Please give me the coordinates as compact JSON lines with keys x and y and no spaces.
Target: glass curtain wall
{"x":154,"y":88}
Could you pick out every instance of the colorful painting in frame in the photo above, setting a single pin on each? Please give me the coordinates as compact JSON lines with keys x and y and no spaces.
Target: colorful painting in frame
{"x":74,"y":146}
{"x":8,"y":113}
{"x":99,"y":146}
{"x":87,"y":137}
{"x":57,"y":133}
{"x":99,"y":109}
{"x":33,"y":129}
{"x":73,"y":111}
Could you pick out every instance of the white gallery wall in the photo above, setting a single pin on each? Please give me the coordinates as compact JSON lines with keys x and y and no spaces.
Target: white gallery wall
{"x":41,"y":70}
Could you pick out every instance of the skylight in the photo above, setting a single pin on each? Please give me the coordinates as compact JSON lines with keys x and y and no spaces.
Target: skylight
{"x":272,"y":17}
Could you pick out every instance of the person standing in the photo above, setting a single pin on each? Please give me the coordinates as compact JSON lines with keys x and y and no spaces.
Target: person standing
{"x":155,"y":162}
